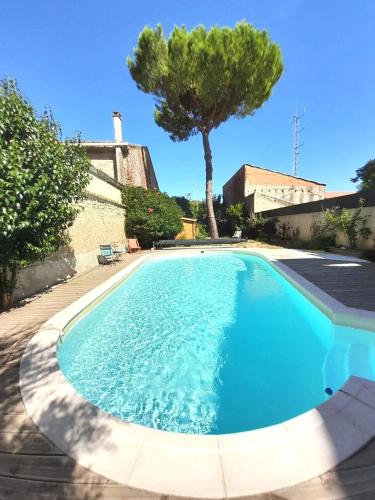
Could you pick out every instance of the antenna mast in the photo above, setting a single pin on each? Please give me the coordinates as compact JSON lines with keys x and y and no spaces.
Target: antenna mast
{"x":296,"y":141}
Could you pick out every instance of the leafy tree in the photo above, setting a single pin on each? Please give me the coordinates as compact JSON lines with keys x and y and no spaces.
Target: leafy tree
{"x":201,"y":78}
{"x":235,"y":215}
{"x":151,"y":215}
{"x":41,"y":182}
{"x":352,"y":224}
{"x":197,"y":209}
{"x":366,"y":175}
{"x":184,"y":202}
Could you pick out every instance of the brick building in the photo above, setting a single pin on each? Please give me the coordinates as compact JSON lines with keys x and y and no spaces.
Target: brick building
{"x":262,"y":189}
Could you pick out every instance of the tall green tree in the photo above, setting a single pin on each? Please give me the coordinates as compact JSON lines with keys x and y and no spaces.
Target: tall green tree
{"x":203,"y":77}
{"x":41,"y":182}
{"x":366,"y":176}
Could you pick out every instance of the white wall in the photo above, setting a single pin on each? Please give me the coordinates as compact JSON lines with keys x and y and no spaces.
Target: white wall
{"x":304,"y":221}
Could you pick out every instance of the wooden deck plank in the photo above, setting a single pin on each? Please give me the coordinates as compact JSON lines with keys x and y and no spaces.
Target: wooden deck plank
{"x":353,"y":286}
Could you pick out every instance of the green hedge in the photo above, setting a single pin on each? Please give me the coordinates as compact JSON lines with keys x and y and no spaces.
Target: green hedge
{"x":150,"y":215}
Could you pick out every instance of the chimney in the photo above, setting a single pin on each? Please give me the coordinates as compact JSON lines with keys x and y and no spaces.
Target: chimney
{"x":117,"y":126}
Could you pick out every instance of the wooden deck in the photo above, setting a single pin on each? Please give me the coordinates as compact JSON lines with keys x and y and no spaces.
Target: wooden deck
{"x":31,"y":467}
{"x":351,"y":283}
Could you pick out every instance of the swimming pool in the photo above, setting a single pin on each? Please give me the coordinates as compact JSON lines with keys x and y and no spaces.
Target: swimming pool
{"x":210,"y":343}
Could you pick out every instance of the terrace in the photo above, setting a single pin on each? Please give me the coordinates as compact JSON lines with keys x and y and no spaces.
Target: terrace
{"x":31,"y":465}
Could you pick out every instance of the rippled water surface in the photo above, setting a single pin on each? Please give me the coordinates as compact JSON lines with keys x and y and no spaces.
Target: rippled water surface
{"x":210,"y":344}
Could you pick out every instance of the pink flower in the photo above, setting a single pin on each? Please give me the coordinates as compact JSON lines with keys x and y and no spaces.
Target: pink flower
{"x":150,"y":210}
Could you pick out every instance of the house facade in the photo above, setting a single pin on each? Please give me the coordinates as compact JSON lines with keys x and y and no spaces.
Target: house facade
{"x":128,"y":164}
{"x":101,"y":219}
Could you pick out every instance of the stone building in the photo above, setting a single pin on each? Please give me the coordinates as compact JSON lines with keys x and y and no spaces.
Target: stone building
{"x":101,"y":219}
{"x":128,"y":164}
{"x":262,"y":189}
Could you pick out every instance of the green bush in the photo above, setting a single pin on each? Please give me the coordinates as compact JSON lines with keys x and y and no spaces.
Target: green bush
{"x":323,"y":235}
{"x":256,"y":226}
{"x":186,"y":205}
{"x":201,"y":232}
{"x":197,"y":209}
{"x":41,"y":184}
{"x":235,"y":217}
{"x":150,"y":215}
{"x":352,"y":224}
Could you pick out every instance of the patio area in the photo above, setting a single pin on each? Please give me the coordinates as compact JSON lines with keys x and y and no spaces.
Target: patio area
{"x":30,"y":465}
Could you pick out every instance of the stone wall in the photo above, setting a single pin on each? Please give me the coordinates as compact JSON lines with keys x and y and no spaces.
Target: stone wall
{"x":101,"y":220}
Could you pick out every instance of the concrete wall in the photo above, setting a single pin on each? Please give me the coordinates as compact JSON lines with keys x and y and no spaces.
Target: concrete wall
{"x":103,"y":188}
{"x":102,"y":216}
{"x":292,"y":195}
{"x":304,"y":221}
{"x":104,"y":160}
{"x":101,"y":220}
{"x":259,"y":202}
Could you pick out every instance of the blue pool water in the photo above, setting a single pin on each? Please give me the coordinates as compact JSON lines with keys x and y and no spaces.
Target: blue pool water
{"x":210,"y":344}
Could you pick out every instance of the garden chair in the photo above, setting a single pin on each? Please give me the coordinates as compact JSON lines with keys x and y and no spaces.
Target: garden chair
{"x":133,"y":245}
{"x":118,"y":249}
{"x":107,"y":256}
{"x":237,"y":234}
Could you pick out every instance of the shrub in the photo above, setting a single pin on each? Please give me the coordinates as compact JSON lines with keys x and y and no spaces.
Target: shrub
{"x":151,"y":215}
{"x":201,"y":232}
{"x":352,"y":224}
{"x":41,"y":182}
{"x":235,"y":217}
{"x":269,"y":227}
{"x":369,"y":255}
{"x":284,"y":230}
{"x":323,"y":235}
{"x":253,"y":226}
{"x":197,"y":209}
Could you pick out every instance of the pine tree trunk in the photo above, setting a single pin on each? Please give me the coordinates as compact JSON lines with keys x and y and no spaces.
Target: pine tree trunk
{"x":210,"y":207}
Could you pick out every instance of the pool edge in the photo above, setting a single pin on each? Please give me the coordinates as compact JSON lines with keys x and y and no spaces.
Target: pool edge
{"x":197,"y":466}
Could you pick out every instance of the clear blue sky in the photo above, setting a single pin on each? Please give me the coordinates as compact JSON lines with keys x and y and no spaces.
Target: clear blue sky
{"x":70,"y":55}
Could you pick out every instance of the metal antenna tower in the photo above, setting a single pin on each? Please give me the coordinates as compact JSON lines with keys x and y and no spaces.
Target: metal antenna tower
{"x":296,"y":141}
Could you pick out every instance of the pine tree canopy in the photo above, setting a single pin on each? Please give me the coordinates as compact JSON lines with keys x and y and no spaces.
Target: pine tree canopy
{"x":202,"y":77}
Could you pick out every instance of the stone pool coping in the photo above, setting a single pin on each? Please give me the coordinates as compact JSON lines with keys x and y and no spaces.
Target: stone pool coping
{"x":224,"y":466}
